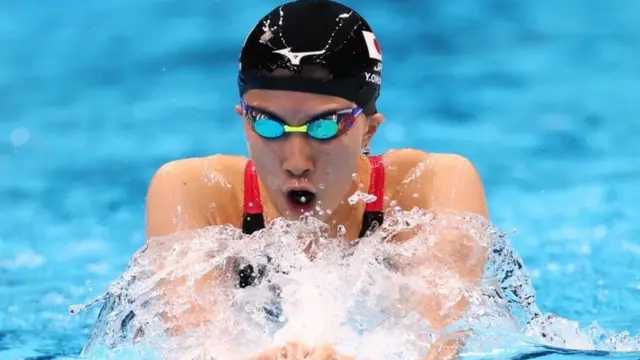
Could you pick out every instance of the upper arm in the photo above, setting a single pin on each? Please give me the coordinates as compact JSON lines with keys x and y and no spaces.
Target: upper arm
{"x":172,"y":200}
{"x":447,"y":184}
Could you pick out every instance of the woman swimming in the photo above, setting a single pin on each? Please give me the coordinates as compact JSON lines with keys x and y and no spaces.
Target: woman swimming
{"x":310,"y":74}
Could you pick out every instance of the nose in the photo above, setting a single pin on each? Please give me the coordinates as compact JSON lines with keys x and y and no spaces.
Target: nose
{"x":297,"y":156}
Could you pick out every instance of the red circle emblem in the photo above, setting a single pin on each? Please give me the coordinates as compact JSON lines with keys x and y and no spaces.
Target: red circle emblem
{"x":377,"y":45}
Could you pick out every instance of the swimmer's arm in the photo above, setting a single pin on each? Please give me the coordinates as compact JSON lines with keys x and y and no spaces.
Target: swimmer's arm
{"x":445,"y":184}
{"x":455,"y":188}
{"x":174,"y":212}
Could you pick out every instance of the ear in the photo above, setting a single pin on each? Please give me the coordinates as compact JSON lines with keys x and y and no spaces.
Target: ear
{"x":245,"y":124}
{"x":371,"y":126}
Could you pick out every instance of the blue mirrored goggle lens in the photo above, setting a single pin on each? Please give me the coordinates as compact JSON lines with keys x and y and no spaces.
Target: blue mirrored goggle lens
{"x":323,"y":129}
{"x":268,"y":128}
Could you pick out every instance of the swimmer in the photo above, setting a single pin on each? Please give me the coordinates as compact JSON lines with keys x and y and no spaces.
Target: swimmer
{"x":310,"y":73}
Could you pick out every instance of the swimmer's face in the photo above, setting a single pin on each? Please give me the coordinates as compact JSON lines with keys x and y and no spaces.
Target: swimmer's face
{"x":296,"y":161}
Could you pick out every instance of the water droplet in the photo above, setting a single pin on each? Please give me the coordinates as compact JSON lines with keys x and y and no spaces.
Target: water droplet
{"x":367,"y":198}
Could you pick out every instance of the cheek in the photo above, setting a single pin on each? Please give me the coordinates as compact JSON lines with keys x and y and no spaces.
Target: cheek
{"x":263,"y":153}
{"x":339,"y":158}
{"x":265,"y":157}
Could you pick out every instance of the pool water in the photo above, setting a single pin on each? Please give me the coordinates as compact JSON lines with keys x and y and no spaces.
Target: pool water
{"x":96,"y":95}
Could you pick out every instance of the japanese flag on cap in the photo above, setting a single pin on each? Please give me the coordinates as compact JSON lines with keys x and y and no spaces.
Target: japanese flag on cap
{"x":372,"y":45}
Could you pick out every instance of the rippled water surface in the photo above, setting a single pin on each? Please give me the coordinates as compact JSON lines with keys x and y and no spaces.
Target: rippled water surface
{"x":96,"y":95}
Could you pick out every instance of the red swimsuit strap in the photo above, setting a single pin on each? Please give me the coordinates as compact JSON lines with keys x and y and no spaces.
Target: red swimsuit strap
{"x":252,"y":203}
{"x":376,"y":184}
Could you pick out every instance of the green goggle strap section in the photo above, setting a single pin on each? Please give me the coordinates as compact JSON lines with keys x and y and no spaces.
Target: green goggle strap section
{"x":298,"y":129}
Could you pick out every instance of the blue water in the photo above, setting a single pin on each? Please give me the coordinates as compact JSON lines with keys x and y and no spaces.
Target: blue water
{"x":95,"y":95}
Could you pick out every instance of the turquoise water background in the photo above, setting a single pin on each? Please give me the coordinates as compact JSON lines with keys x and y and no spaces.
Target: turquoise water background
{"x":95,"y":95}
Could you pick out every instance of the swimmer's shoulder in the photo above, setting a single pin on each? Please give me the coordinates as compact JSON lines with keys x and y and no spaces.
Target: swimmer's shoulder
{"x":404,"y":162}
{"x":407,"y":163}
{"x":194,"y":193}
{"x":415,"y":173}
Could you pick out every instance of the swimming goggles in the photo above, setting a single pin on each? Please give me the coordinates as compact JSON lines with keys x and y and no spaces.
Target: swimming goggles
{"x":322,"y":127}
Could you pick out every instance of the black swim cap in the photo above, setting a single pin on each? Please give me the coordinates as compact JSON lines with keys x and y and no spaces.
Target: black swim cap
{"x":306,"y":34}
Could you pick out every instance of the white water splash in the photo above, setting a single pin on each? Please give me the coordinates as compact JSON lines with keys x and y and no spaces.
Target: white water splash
{"x":316,"y":290}
{"x":361,"y":196}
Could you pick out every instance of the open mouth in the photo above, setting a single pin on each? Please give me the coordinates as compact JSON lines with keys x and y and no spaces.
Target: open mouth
{"x":302,"y":200}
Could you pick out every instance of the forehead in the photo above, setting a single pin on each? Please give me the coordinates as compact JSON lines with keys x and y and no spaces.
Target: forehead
{"x":293,"y":103}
